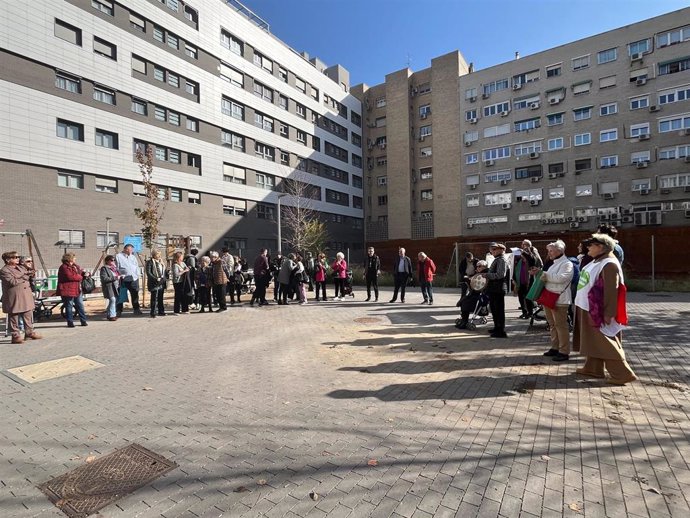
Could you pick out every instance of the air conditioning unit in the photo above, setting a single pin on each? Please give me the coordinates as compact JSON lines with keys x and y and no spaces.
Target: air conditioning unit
{"x":468,"y":143}
{"x":641,"y":81}
{"x":640,"y":218}
{"x":534,"y":154}
{"x":534,"y":106}
{"x":570,"y":219}
{"x":544,"y":221}
{"x":517,"y":86}
{"x":615,"y":216}
{"x":582,"y":219}
{"x":685,"y":132}
{"x":424,"y":115}
{"x":644,"y":192}
{"x":608,"y":196}
{"x":536,"y":179}
{"x":642,"y":164}
{"x":553,"y":221}
{"x":643,"y":136}
{"x":627,"y":219}
{"x":485,"y":96}
{"x":473,"y":99}
{"x":504,"y":182}
{"x":473,"y":186}
{"x":654,"y":108}
{"x":470,"y":225}
{"x":604,"y":217}
{"x":554,"y":100}
{"x":686,"y":188}
{"x":637,"y":56}
{"x":506,"y":206}
{"x":553,"y":176}
{"x":665,"y":191}
{"x":560,"y":220}
{"x":654,"y":217}
{"x":473,"y":120}
{"x":505,"y":114}
{"x":686,"y":159}
{"x":489,"y":163}
{"x":421,"y":139}
{"x":574,"y":225}
{"x":534,"y":203}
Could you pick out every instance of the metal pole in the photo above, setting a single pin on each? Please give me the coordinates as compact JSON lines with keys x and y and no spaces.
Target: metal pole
{"x":107,"y":233}
{"x":279,"y":249}
{"x":653,"y":267}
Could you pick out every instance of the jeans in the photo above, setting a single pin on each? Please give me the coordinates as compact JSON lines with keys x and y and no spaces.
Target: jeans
{"x":68,"y":302}
{"x":111,"y":309}
{"x":133,"y":288}
{"x":157,"y":302}
{"x":427,"y":291}
{"x":372,"y":281}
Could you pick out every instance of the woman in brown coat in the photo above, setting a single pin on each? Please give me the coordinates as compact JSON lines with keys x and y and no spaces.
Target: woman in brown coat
{"x":597,"y":333}
{"x":17,"y":297}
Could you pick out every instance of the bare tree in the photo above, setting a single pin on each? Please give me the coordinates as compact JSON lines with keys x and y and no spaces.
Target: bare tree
{"x":305,"y":230}
{"x":152,"y":213}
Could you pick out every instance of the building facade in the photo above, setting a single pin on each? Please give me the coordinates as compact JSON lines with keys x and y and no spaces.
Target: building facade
{"x":230,"y":111}
{"x":595,"y":131}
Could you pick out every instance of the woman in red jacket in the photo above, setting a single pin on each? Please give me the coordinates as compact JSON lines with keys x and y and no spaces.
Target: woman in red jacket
{"x":69,"y":280}
{"x":425,"y":273}
{"x":339,"y":275}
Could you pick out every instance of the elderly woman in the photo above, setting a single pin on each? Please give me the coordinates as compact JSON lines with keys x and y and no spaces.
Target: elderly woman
{"x":339,"y":268}
{"x":156,"y":283}
{"x":287,"y":271}
{"x":219,"y":279}
{"x":69,"y":280}
{"x":17,"y":298}
{"x":597,"y":321}
{"x":526,"y":263}
{"x":204,"y":283}
{"x":110,"y":277}
{"x":557,"y":280}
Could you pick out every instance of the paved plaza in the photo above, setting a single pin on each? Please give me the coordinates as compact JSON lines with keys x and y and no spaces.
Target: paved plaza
{"x":354,"y":409}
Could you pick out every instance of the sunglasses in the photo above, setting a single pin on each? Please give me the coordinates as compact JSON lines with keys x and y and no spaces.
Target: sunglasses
{"x":13,"y":257}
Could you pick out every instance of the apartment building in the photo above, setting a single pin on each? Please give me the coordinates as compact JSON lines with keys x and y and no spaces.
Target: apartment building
{"x":230,"y":111}
{"x":594,"y":131}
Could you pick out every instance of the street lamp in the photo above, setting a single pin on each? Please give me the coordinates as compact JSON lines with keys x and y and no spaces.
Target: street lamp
{"x":279,"y":249}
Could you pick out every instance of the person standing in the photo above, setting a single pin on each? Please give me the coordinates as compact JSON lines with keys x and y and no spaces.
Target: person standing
{"x":529,"y":260}
{"x":204,"y":283}
{"x":300,"y":280}
{"x":17,"y":298}
{"x":128,"y":266}
{"x":557,"y":280}
{"x":276,"y":265}
{"x":110,"y":280}
{"x":320,"y":276}
{"x":600,"y":314}
{"x":192,"y":263}
{"x":229,"y":264}
{"x":497,"y":287}
{"x":69,"y":280}
{"x":179,"y":279}
{"x":372,"y":269}
{"x":402,"y":271}
{"x":219,"y":277}
{"x":285,"y":275}
{"x":309,"y":267}
{"x":156,"y":283}
{"x":339,"y":268}
{"x":262,"y":276}
{"x":425,"y":273}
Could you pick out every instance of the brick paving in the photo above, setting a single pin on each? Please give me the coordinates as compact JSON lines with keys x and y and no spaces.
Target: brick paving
{"x":372,"y":409}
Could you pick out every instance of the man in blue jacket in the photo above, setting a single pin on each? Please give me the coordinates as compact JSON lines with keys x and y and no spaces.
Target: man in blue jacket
{"x":402,"y":271}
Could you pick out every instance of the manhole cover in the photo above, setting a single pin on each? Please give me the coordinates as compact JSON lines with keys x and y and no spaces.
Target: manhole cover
{"x":53,"y":369}
{"x":367,"y":320}
{"x":90,"y":487}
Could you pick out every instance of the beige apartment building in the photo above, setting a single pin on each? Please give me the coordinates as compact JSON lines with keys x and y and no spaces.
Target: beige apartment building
{"x":546,"y":145}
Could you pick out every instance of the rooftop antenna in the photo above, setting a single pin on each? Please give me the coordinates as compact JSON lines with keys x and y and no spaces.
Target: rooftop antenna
{"x":409,"y":60}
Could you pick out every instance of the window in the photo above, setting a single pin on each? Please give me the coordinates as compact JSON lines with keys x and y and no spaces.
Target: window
{"x":607,"y":56}
{"x":283,"y":102}
{"x":383,"y":200}
{"x":107,"y":139}
{"x":233,"y":140}
{"x":234,"y":174}
{"x":102,"y":241}
{"x":527,"y":77}
{"x":233,"y":207}
{"x":555,"y":143}
{"x":607,"y":82}
{"x":356,"y":139}
{"x":173,"y":80}
{"x":194,"y":161}
{"x":582,"y":88}
{"x":173,"y":41}
{"x":263,"y":122}
{"x":493,"y":131}
{"x":104,"y":95}
{"x":191,"y":87}
{"x":137,"y":23}
{"x":173,"y":156}
{"x":674,"y":180}
{"x":425,"y":111}
{"x":533,"y":171}
{"x":498,"y":198}
{"x":425,"y":151}
{"x":284,"y":158}
{"x":175,"y":195}
{"x":554,"y":70}
{"x":160,"y":113}
{"x":471,"y":158}
{"x":527,"y":125}
{"x":496,"y":86}
{"x":582,"y":113}
{"x":382,"y":181}
{"x":263,"y":62}
{"x":608,"y":135}
{"x":67,"y":32}
{"x":232,"y":108}
{"x":640,"y":47}
{"x":232,"y":76}
{"x":637,"y":103}
{"x":609,"y":188}
{"x":425,"y":173}
{"x":674,"y":95}
{"x":527,"y":148}
{"x":192,"y":124}
{"x":230,"y":42}
{"x":643,"y":156}
{"x":424,"y":88}
{"x":158,"y":33}
{"x":301,"y":137}
{"x":673,"y":37}
{"x":356,"y":160}
{"x":380,"y":102}
{"x":526,"y":102}
{"x":283,"y":74}
{"x":356,"y":119}
{"x":264,"y":151}
{"x":70,"y":180}
{"x":498,"y":176}
{"x":471,"y":114}
{"x":583,"y":190}
{"x":557,"y":168}
{"x":643,"y":184}
{"x":673,"y":67}
{"x":380,"y":122}
{"x":194,"y":198}
{"x":555,"y":119}
{"x":608,"y":161}
{"x":104,"y":6}
{"x":425,"y":131}
{"x":637,"y":130}
{"x":66,"y":82}
{"x":677,"y":123}
{"x":556,"y":193}
{"x":582,"y":139}
{"x":108,"y":185}
{"x":581,"y":62}
{"x":608,"y":109}
{"x":139,"y":106}
{"x":583,"y":164}
{"x":139,"y":65}
{"x":265,"y":181}
{"x":495,"y":109}
{"x":71,"y":238}
{"x":426,"y":194}
{"x":173,"y":118}
{"x":191,"y":51}
{"x":159,"y":73}
{"x":472,"y":200}
{"x":300,"y":110}
{"x":496,"y":153}
{"x":104,"y":48}
{"x":70,"y":130}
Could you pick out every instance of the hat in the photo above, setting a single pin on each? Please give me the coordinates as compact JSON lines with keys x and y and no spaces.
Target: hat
{"x":497,"y":245}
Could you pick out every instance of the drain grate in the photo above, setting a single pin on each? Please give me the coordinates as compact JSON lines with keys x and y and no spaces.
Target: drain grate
{"x":88,"y":488}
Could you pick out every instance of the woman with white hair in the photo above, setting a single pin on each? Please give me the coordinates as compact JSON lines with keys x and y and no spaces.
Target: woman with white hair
{"x":339,"y":268}
{"x":600,"y":314}
{"x":557,"y":281}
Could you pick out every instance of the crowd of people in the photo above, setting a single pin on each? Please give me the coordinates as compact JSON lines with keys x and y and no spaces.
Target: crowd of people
{"x":584,"y":291}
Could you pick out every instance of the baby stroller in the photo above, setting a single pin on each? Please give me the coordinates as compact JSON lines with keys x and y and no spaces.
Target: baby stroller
{"x":474,"y":306}
{"x":247,"y":284}
{"x":347,"y":285}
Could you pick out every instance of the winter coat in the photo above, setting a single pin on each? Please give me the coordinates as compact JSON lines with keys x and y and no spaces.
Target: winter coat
{"x":558,"y":278}
{"x":218,"y":273}
{"x":426,"y":270}
{"x":320,"y":271}
{"x":16,"y":290}
{"x":286,"y":269}
{"x":155,"y":280}
{"x":69,"y":280}
{"x":407,"y":266}
{"x":109,"y":282}
{"x":372,"y":267}
{"x":339,"y":269}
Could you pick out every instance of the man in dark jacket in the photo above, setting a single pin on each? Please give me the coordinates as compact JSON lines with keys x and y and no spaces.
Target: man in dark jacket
{"x":276,"y":264}
{"x":261,"y":278}
{"x":497,"y":287}
{"x":402,"y":271}
{"x":372,"y":268}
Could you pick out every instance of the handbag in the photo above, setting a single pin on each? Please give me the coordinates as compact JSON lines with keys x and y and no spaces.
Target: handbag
{"x":123,"y":295}
{"x":536,"y":289}
{"x":88,"y":285}
{"x":548,"y":298}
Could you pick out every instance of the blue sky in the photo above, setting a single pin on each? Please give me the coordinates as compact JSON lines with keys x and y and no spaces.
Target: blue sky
{"x":374,"y":37}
